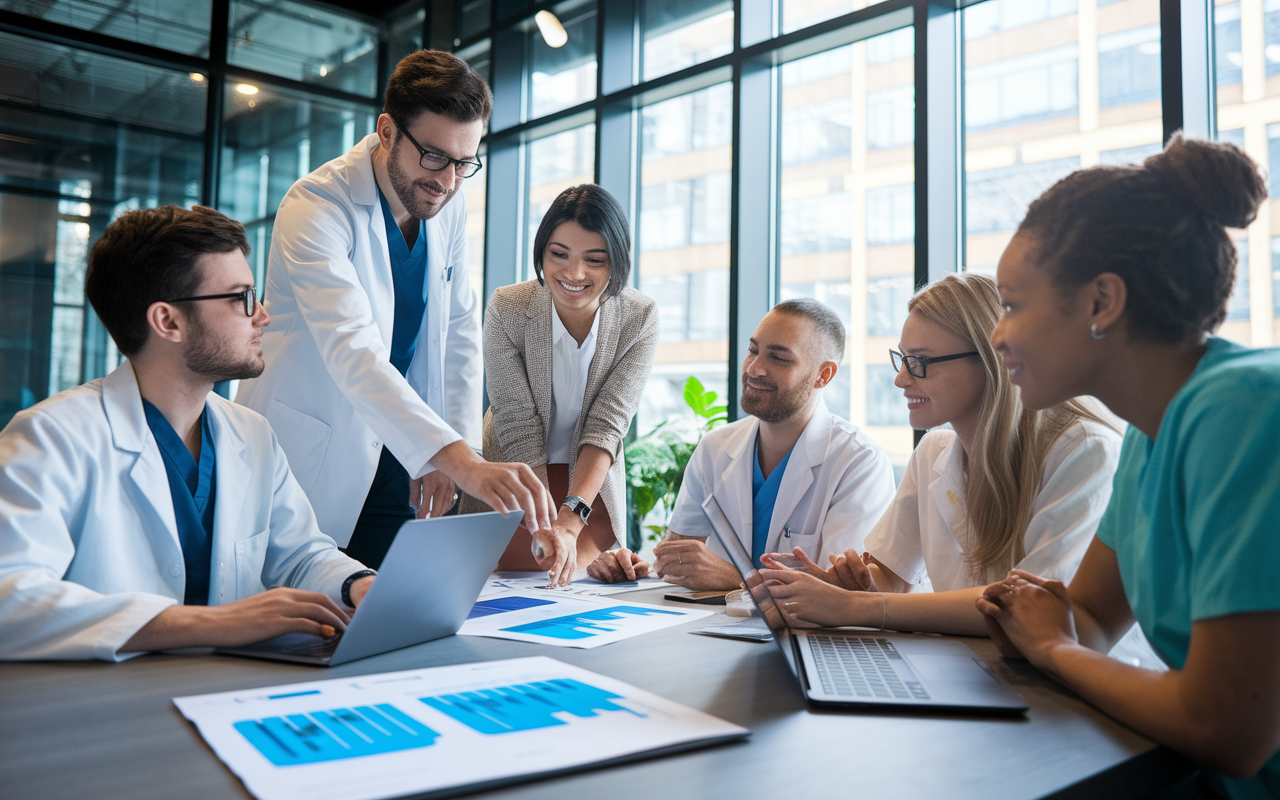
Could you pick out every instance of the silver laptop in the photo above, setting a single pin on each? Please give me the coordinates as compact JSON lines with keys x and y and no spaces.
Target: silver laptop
{"x":430,"y":578}
{"x":872,"y":669}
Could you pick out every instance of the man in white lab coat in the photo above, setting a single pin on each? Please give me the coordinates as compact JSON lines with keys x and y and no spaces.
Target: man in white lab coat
{"x":373,"y":378}
{"x":141,"y":511}
{"x":790,"y":475}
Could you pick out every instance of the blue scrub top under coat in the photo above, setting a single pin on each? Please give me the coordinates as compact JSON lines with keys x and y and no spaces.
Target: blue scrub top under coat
{"x":764,"y":493}
{"x":409,"y":277}
{"x":193,"y":488}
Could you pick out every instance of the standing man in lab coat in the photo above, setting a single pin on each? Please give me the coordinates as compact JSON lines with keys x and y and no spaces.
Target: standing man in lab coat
{"x":141,"y":511}
{"x":373,"y":379}
{"x":790,"y":475}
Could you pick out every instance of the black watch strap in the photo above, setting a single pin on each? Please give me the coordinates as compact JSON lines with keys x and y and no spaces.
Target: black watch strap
{"x":578,"y":506}
{"x":352,"y":578}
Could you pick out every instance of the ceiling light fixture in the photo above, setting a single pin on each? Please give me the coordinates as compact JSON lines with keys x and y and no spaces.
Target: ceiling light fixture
{"x":196,"y":77}
{"x":553,"y":32}
{"x":246,"y":88}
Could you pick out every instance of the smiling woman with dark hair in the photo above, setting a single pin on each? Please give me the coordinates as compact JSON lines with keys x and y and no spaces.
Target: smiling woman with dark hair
{"x":566,"y":358}
{"x":1113,"y":287}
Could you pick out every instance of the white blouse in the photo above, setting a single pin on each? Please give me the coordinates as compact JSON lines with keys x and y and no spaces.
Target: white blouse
{"x":569,"y":367}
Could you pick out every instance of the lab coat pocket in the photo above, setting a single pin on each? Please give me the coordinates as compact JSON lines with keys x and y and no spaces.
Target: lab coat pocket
{"x":304,"y":438}
{"x":251,"y":557}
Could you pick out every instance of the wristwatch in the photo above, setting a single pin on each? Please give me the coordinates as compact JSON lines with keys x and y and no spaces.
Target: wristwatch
{"x":352,"y":578}
{"x":578,"y":506}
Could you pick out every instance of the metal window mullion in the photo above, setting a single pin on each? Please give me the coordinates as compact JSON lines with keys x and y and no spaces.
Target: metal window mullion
{"x":1187,"y":68}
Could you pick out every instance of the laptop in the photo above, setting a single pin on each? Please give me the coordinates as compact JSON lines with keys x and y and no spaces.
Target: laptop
{"x":874,"y":669}
{"x":430,"y":578}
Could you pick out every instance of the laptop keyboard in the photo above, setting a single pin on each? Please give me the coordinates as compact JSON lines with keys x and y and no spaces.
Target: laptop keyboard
{"x":861,"y":666}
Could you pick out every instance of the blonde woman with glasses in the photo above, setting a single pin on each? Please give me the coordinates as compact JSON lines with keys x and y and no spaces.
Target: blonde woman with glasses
{"x":1005,"y":487}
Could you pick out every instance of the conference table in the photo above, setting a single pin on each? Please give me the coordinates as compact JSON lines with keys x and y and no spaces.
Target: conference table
{"x":102,"y":731}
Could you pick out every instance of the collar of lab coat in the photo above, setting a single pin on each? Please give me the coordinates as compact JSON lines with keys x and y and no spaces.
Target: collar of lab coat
{"x":122,"y":404}
{"x":807,"y":455}
{"x":946,"y":487}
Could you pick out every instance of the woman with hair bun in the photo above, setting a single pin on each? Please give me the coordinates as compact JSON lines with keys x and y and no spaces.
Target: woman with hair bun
{"x":1006,"y":486}
{"x":1112,"y":287}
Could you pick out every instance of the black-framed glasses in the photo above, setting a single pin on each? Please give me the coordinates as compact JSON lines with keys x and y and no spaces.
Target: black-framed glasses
{"x":247,"y":297}
{"x":917,"y":365}
{"x":431,"y":160}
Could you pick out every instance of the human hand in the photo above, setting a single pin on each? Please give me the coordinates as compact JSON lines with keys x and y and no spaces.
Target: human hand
{"x":808,"y":601}
{"x":691,"y":564}
{"x":266,"y":615}
{"x":432,"y":494}
{"x":1028,"y":616}
{"x":503,"y":487}
{"x":852,"y":571}
{"x":616,"y":566}
{"x":556,"y":548}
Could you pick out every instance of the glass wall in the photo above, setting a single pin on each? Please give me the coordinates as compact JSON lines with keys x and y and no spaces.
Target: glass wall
{"x":683,"y":243}
{"x":847,"y":207}
{"x":1051,"y":86}
{"x":1247,"y":78}
{"x":83,"y":138}
{"x":86,"y":136}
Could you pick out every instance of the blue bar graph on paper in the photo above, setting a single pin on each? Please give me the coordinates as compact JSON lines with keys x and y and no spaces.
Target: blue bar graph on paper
{"x":586,"y":624}
{"x":525,"y":706}
{"x":501,"y":605}
{"x":335,"y":734}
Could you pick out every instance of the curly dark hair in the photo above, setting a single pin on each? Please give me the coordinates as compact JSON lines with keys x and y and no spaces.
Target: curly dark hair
{"x":1161,"y":226}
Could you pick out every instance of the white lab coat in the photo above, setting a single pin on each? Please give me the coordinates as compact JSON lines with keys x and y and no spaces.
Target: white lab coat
{"x":926,"y":527}
{"x":329,"y":389}
{"x":836,"y":485}
{"x":89,"y":548}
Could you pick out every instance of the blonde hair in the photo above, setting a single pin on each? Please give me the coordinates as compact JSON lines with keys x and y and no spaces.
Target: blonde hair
{"x":1003,"y":471}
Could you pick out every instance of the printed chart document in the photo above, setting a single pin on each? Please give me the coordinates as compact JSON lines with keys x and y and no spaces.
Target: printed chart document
{"x":566,"y":620}
{"x":439,"y":731}
{"x":582,"y":586}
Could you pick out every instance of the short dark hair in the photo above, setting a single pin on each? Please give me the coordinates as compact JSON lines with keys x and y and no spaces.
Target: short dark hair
{"x":1160,"y":226}
{"x":439,"y":82}
{"x":149,"y":256}
{"x":596,"y":210}
{"x":829,"y":326}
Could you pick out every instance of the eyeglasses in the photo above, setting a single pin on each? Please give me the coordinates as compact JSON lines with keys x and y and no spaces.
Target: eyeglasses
{"x":916,"y":365}
{"x":437,"y":161}
{"x":249,"y":299}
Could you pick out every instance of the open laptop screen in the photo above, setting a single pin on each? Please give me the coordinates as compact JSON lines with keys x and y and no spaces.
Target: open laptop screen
{"x":755,"y":584}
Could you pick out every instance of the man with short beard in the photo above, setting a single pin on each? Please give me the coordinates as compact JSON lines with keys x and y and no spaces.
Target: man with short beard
{"x":141,"y":511}
{"x":373,"y":379}
{"x":791,"y":478}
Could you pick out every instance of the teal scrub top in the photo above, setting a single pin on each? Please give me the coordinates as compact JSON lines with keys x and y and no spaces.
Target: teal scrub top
{"x":764,"y":495}
{"x":1194,"y":516}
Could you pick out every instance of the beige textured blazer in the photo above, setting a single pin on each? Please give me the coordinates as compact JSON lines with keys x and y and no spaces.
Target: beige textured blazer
{"x":517,"y":366}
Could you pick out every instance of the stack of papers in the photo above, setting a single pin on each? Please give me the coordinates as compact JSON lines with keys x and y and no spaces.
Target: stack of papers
{"x":443,"y":730}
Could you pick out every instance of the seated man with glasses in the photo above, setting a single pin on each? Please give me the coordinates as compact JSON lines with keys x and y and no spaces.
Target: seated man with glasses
{"x":792,"y":477}
{"x":373,"y":379}
{"x":141,"y":511}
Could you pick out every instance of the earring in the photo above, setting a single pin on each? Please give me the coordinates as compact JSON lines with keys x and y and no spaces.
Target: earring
{"x":1093,"y":331}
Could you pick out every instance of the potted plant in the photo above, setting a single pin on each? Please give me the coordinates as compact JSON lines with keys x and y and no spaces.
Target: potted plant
{"x":656,"y":462}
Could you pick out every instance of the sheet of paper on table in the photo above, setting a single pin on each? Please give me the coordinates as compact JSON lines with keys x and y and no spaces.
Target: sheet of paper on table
{"x":442,"y":729}
{"x":545,"y":617}
{"x":582,"y":586}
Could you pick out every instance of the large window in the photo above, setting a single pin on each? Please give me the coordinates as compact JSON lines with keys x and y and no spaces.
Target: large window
{"x":1247,"y":81}
{"x":847,"y":209}
{"x":553,"y":164}
{"x":685,"y":155}
{"x":1051,"y":86}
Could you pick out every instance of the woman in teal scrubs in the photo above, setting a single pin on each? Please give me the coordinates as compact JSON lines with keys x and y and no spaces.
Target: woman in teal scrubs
{"x":1113,"y":287}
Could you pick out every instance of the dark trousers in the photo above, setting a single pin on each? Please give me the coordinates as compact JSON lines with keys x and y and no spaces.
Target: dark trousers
{"x":385,"y":509}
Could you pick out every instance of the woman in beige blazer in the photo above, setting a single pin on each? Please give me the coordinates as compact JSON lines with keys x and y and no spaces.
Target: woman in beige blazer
{"x":566,"y":358}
